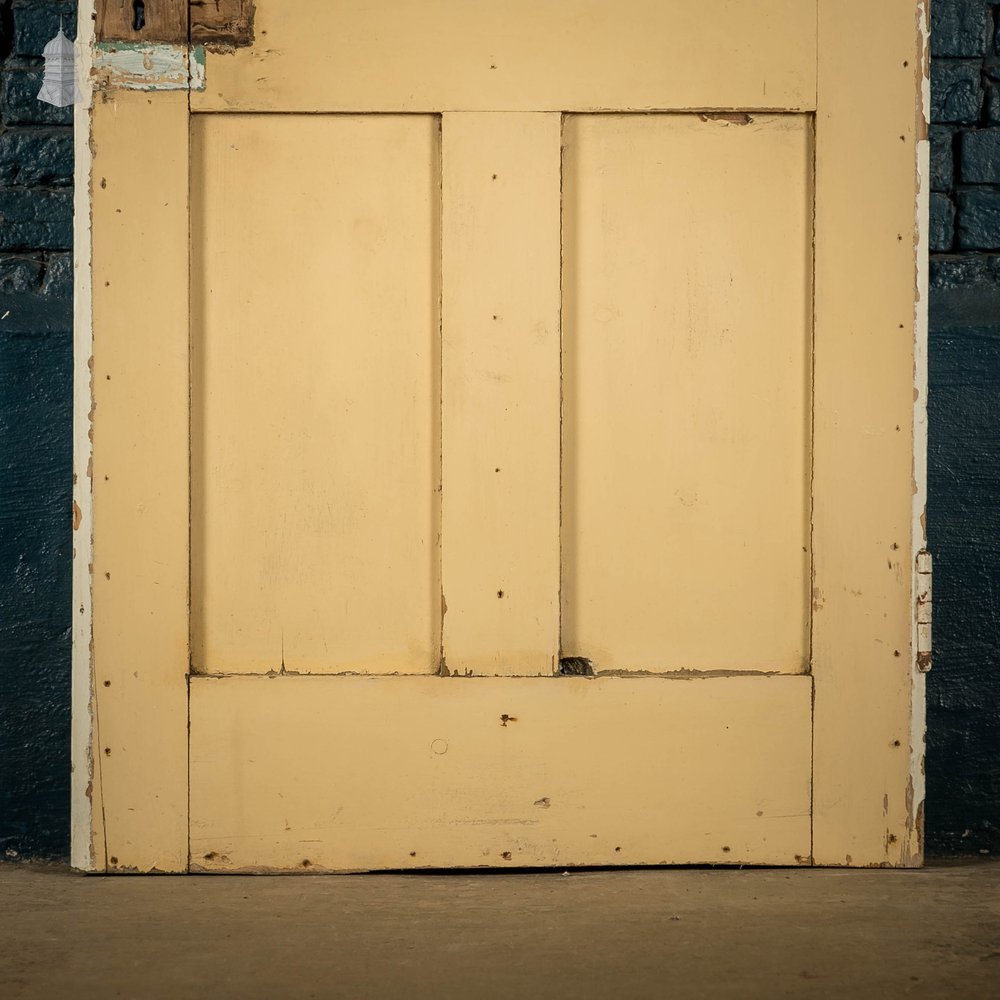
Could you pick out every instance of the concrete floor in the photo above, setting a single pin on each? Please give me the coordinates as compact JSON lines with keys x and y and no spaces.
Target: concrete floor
{"x":617,"y":934}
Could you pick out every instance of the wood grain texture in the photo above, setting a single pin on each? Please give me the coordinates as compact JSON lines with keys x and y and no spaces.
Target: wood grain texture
{"x":523,"y":55}
{"x":500,"y":392}
{"x":687,"y":311}
{"x":222,"y":24}
{"x":165,"y":21}
{"x":315,"y":366}
{"x":310,"y":773}
{"x":867,"y":811}
{"x":140,"y":479}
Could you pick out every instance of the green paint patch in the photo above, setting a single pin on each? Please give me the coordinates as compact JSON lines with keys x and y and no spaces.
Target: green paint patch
{"x":145,"y":66}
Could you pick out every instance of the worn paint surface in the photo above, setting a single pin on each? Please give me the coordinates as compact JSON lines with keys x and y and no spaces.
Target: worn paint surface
{"x":657,"y":751}
{"x":501,"y":390}
{"x":866,"y":802}
{"x":524,"y":55}
{"x":147,"y":66}
{"x":307,"y":773}
{"x":315,"y":394}
{"x":686,"y":346}
{"x":921,"y":651}
{"x":86,"y":821}
{"x":140,"y":480}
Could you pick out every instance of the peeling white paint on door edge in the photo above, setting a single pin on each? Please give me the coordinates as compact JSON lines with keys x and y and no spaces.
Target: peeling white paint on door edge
{"x":918,"y":679}
{"x":81,"y":804}
{"x":142,"y":66}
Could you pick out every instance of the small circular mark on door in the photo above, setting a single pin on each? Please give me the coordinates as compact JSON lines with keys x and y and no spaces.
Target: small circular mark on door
{"x":439,"y":746}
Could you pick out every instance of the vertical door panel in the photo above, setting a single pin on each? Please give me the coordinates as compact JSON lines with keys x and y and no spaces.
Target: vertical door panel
{"x":687,"y":318}
{"x":500,"y":402}
{"x":870,"y":399}
{"x":315,"y":404}
{"x":139,"y":474}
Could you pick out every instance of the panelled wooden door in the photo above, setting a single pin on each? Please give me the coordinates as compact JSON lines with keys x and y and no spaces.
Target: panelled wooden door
{"x":502,"y":441}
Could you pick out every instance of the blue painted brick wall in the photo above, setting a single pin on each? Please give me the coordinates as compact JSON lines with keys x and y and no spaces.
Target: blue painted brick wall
{"x":963,"y":762}
{"x":36,"y":375}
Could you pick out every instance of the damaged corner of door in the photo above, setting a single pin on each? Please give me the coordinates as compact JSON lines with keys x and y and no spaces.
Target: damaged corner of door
{"x":142,"y":47}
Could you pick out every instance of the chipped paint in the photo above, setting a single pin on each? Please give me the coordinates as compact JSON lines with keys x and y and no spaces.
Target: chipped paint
{"x":727,"y":117}
{"x":912,"y":849}
{"x":923,"y":76}
{"x":82,"y":839}
{"x":149,"y":66}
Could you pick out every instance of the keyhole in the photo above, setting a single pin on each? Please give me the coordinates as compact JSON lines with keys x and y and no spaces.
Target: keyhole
{"x":138,"y":15}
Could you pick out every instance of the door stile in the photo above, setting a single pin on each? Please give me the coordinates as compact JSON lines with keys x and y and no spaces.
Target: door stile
{"x":86,"y":823}
{"x":140,"y":474}
{"x":500,"y":392}
{"x":868,"y":723}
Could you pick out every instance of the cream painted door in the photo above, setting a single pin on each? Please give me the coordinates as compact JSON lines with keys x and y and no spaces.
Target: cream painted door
{"x":486,"y":490}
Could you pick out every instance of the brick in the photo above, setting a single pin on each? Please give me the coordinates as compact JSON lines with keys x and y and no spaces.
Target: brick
{"x":58,"y":281}
{"x":35,"y":157}
{"x":991,"y":67}
{"x":19,"y":104}
{"x":20,"y":274}
{"x":964,"y":271}
{"x":956,"y":91}
{"x":993,"y":104}
{"x":36,"y":220}
{"x":978,"y":219}
{"x":35,"y":315}
{"x":979,"y":156}
{"x":942,"y":232}
{"x":959,"y":27}
{"x":942,"y":158}
{"x":35,"y":24}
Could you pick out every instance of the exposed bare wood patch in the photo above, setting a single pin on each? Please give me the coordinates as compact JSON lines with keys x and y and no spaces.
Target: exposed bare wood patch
{"x":728,"y":117}
{"x":142,"y":21}
{"x":222,"y":25}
